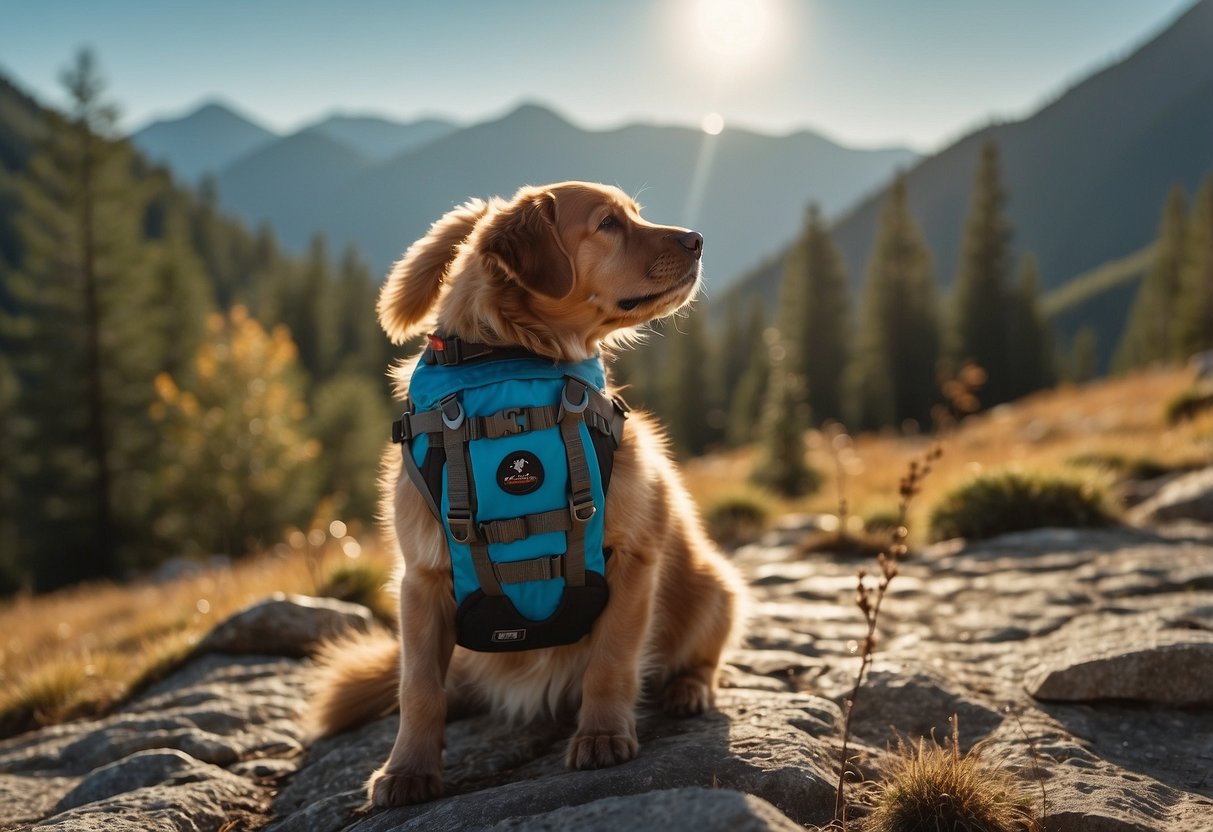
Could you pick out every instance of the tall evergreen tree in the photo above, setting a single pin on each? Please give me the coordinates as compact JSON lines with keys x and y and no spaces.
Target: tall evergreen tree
{"x":981,"y":292}
{"x":1152,"y":333}
{"x":361,"y":345}
{"x":86,"y":361}
{"x":1195,"y":325}
{"x":815,"y":308}
{"x":1030,"y":347}
{"x":892,"y":377}
{"x":782,"y":464}
{"x":743,"y":401}
{"x":313,"y":314}
{"x":1084,"y":356}
{"x":684,"y":395}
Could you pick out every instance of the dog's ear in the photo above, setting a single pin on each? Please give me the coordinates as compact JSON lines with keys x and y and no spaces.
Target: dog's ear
{"x":523,"y":241}
{"x":413,"y":284}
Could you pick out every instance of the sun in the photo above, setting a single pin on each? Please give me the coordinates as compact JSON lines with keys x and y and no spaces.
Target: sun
{"x":732,"y":30}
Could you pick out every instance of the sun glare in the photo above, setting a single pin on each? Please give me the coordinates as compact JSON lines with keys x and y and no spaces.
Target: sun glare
{"x":732,"y":30}
{"x":713,"y":123}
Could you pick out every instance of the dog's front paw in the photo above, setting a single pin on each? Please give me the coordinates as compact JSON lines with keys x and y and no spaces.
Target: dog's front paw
{"x":402,"y":788}
{"x":601,"y":750}
{"x":687,"y":696}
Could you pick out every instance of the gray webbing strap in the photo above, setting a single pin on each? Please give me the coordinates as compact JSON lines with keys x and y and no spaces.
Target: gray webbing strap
{"x":459,"y":491}
{"x":516,"y":528}
{"x":574,"y":399}
{"x":602,"y":414}
{"x":537,"y":569}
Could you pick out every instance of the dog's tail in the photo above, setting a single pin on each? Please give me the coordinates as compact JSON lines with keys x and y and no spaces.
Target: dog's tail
{"x":357,"y":680}
{"x":414,"y":283}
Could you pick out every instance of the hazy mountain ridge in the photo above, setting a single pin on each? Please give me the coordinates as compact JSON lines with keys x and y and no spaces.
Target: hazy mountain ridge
{"x":202,"y":142}
{"x":1086,"y":174}
{"x":751,"y":199}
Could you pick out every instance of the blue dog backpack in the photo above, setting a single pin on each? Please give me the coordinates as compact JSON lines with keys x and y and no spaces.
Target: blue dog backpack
{"x":513,"y":454}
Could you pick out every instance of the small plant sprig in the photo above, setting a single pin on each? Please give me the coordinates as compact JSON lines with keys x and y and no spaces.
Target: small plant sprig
{"x":869,"y":601}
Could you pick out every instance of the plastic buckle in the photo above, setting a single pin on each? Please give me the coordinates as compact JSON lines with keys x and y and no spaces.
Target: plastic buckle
{"x":452,"y":412}
{"x":621,"y":405}
{"x":582,"y":508}
{"x":460,"y":523}
{"x":402,"y":431}
{"x":505,"y":423}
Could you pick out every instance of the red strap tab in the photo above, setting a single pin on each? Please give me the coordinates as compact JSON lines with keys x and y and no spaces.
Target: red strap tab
{"x":437,"y":343}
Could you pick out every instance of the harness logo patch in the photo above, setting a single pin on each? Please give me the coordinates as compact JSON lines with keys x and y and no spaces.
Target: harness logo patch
{"x":508,"y":635}
{"x":520,"y":473}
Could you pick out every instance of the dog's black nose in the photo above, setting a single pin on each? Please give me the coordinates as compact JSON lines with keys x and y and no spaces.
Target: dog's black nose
{"x":692,"y":241}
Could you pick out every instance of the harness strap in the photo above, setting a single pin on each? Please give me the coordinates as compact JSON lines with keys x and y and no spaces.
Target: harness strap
{"x":574,"y":399}
{"x":459,"y":494}
{"x":516,"y":528}
{"x":448,"y":350}
{"x":536,"y":569}
{"x":606,"y":415}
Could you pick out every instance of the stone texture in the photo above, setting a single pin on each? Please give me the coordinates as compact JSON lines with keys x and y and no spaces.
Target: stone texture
{"x":1176,"y":671}
{"x":966,"y":631}
{"x":1189,"y":497}
{"x":707,"y":810}
{"x":285,"y":625}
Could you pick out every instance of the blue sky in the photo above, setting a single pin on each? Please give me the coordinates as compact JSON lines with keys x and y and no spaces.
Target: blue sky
{"x":865,"y":72}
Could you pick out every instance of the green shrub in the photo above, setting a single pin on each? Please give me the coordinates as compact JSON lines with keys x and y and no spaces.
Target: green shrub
{"x":1132,"y":468}
{"x":1009,"y":501}
{"x":737,"y":518}
{"x":1189,"y":403}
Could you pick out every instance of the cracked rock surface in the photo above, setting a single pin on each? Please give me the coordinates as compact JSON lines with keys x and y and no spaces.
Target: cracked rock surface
{"x":1090,"y":649}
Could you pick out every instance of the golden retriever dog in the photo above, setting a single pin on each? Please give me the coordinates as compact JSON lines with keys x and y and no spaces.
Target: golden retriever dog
{"x":564,"y":271}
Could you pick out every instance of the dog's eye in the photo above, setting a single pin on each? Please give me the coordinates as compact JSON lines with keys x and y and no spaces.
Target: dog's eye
{"x":608,"y":222}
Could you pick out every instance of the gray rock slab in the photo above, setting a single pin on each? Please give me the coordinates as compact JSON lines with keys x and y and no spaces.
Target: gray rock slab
{"x":1172,"y":669}
{"x":285,"y":625}
{"x":1189,"y":497}
{"x":707,"y":810}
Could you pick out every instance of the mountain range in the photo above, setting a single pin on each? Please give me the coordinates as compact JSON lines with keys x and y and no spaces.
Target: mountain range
{"x":378,"y":184}
{"x":1086,"y":175}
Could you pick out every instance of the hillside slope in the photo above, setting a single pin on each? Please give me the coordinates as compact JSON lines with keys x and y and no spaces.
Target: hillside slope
{"x":1086,"y":174}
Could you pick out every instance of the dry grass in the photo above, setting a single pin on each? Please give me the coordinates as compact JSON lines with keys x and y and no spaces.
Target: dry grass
{"x":79,"y":651}
{"x":938,"y":788}
{"x":1123,"y":416}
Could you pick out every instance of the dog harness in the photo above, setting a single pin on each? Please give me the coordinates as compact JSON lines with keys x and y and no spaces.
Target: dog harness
{"x":513,"y":454}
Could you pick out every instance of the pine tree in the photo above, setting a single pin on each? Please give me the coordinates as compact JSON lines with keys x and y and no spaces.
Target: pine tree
{"x":361,"y":345}
{"x":1152,"y":333}
{"x":350,"y":421}
{"x":743,"y":401}
{"x":1195,"y":325}
{"x":313,"y":314}
{"x":782,"y":463}
{"x":1084,"y":356}
{"x":1033,"y":364}
{"x":892,"y":377}
{"x":815,"y":315}
{"x":684,"y":396}
{"x":85,"y":357}
{"x":241,"y":464}
{"x":981,"y":293}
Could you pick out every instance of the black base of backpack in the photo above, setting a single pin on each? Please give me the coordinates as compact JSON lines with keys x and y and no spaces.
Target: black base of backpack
{"x":492,"y":624}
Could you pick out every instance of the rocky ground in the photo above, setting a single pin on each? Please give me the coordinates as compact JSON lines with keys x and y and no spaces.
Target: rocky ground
{"x":1093,"y":649}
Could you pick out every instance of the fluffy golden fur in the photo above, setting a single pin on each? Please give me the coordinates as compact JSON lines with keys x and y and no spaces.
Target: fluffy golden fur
{"x":561,"y":270}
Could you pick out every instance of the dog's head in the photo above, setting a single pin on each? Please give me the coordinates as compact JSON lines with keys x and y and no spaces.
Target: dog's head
{"x":557,"y":269}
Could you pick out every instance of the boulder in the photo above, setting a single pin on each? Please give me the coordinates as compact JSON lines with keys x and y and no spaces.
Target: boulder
{"x":1189,"y":497}
{"x":285,"y":625}
{"x":1177,"y":671}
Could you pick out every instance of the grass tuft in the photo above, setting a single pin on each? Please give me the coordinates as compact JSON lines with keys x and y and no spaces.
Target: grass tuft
{"x":737,"y":517}
{"x":361,"y":583}
{"x":1010,"y":501}
{"x":1189,"y":403}
{"x":937,"y":788}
